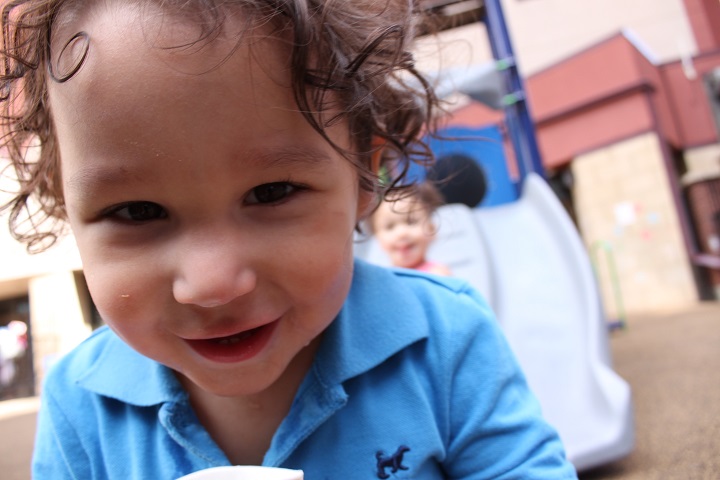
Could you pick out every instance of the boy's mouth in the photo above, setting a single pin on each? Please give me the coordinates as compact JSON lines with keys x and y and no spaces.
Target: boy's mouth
{"x":234,"y":348}
{"x":233,"y":339}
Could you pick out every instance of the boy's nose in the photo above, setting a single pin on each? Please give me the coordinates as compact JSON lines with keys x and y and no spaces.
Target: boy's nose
{"x":213,"y":278}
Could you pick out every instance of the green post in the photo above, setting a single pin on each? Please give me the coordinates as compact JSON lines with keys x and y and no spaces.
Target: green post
{"x":619,"y":322}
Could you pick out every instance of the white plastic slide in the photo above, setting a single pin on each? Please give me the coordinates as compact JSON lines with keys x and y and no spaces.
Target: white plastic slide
{"x":527,"y":259}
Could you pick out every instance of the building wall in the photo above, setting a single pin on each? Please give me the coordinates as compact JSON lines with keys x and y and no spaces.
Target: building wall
{"x":704,"y":16}
{"x":624,"y":206}
{"x":462,"y":46}
{"x":546,"y":31}
{"x":690,"y":107}
{"x":702,"y":162}
{"x":702,"y":187}
{"x":57,"y":317}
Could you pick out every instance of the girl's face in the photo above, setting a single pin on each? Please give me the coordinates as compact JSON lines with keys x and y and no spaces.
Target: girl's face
{"x":404,"y":231}
{"x":215,"y":225}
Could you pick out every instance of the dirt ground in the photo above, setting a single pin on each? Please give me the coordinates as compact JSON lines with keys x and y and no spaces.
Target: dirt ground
{"x":672,"y":363}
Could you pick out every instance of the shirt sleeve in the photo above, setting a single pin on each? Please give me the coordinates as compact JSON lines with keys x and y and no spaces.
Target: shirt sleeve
{"x":496,"y":427}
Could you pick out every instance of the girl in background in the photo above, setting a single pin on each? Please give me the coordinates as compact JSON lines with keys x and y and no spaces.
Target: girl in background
{"x":403,"y":226}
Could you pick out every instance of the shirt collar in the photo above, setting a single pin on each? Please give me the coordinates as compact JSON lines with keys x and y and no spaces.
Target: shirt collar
{"x":122,"y":373}
{"x":380,"y":317}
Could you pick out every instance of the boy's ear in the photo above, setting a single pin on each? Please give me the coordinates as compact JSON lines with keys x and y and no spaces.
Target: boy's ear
{"x":369,"y":200}
{"x":378,"y":146}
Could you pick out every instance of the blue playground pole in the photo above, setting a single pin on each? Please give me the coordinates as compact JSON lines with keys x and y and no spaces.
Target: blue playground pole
{"x":517,"y":112}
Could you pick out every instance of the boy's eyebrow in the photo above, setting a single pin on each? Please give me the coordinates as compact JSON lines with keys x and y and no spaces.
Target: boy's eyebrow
{"x":291,"y":156}
{"x":96,"y":175}
{"x":279,"y":158}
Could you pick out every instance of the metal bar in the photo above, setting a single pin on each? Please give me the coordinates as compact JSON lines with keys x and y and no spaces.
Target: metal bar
{"x":517,"y":111}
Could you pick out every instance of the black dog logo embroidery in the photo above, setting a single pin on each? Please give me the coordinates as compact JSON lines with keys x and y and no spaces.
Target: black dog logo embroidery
{"x":393,"y":462}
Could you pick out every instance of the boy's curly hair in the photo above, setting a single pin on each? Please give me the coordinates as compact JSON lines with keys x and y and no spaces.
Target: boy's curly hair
{"x":350,"y":54}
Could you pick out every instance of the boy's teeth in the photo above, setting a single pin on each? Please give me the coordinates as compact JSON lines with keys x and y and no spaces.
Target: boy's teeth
{"x":235,"y":338}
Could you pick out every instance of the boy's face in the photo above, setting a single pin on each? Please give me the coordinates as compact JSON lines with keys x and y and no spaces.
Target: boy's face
{"x":215,"y":225}
{"x":404,"y":231}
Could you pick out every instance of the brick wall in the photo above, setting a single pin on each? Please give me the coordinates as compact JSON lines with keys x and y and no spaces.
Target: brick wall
{"x":624,"y":203}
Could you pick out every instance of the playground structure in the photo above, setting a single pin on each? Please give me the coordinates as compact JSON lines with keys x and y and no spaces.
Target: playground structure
{"x":520,"y":249}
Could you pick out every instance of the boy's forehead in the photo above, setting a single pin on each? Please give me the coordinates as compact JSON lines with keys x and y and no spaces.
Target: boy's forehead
{"x":134,"y":61}
{"x":133,"y":95}
{"x":124,"y":48}
{"x":116,"y":31}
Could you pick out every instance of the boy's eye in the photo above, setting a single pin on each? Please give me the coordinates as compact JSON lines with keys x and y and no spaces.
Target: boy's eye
{"x":138,"y":212}
{"x":271,"y":192}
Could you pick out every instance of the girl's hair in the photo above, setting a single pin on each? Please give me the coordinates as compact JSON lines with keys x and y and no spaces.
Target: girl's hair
{"x":351,"y":56}
{"x":423,"y":195}
{"x":428,"y":196}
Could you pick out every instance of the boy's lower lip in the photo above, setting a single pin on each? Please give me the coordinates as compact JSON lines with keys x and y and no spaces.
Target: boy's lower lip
{"x":234,"y":348}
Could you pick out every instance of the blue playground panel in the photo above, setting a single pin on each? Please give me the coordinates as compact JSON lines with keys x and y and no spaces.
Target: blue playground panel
{"x":485,"y":146}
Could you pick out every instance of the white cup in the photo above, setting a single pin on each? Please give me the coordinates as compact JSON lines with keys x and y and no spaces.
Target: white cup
{"x":245,"y":472}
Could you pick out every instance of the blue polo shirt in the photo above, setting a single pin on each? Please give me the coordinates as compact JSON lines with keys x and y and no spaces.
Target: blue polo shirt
{"x":413,"y":379}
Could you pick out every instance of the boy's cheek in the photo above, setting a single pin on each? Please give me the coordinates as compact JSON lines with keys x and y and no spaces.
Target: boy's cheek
{"x":117,"y":288}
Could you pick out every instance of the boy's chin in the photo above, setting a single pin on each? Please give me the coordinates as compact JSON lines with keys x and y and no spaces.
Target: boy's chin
{"x":230,"y":387}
